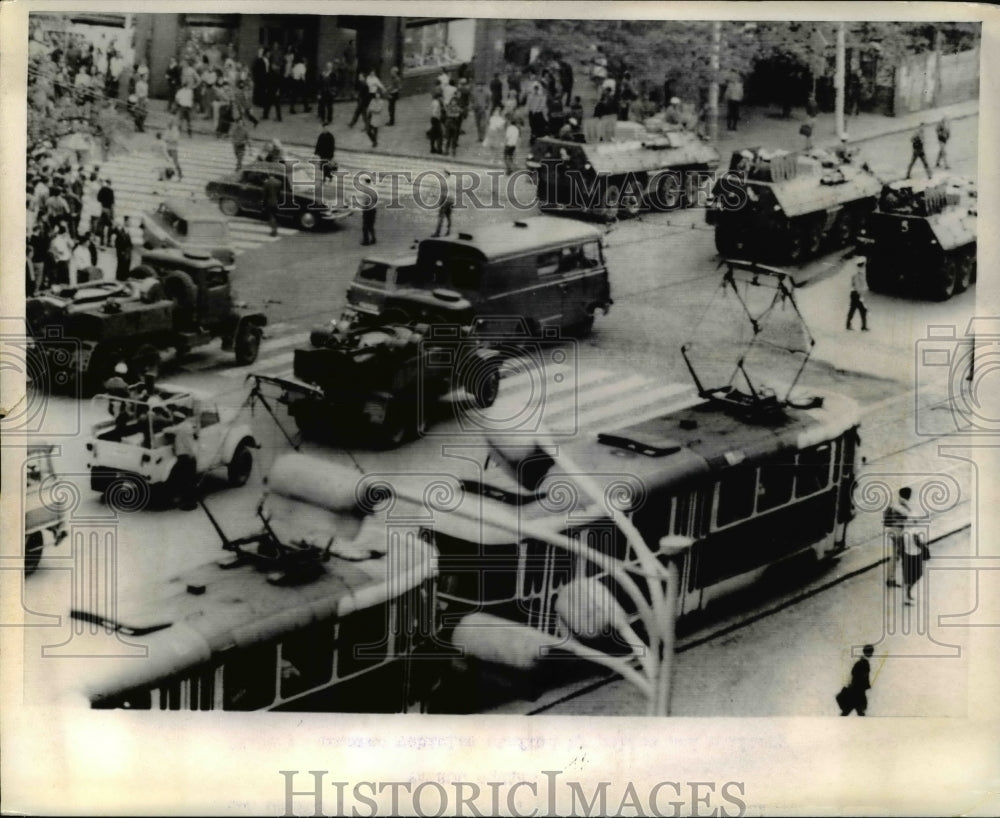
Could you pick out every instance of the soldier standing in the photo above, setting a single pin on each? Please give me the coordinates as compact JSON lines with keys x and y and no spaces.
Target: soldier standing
{"x":447,"y":204}
{"x":917,"y":141}
{"x":943,"y":135}
{"x":859,"y":286}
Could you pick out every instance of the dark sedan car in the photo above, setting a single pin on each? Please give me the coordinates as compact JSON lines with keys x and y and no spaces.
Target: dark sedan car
{"x":244,"y":191}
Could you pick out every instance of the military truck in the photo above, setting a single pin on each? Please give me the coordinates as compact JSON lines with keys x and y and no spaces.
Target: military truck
{"x":174,"y":301}
{"x":922,"y":238}
{"x":620,"y":173}
{"x":781,"y":207}
{"x":382,"y":380}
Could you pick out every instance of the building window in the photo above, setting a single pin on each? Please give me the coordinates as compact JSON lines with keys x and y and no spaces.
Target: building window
{"x":436,"y":43}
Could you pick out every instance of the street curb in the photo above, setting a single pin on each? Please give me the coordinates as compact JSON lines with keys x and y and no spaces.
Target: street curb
{"x":904,"y":129}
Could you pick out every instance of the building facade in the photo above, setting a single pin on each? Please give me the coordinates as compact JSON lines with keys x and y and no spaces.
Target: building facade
{"x":420,"y":47}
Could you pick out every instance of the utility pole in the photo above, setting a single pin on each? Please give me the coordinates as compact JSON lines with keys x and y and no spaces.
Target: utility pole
{"x":713,"y":88}
{"x":839,"y":80}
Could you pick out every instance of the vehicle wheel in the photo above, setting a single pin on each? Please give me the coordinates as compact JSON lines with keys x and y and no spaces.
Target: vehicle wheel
{"x":309,"y":422}
{"x":143,"y":271}
{"x":127,"y":492}
{"x":631,"y":204}
{"x":813,"y":239}
{"x":963,"y":272}
{"x":877,"y":275}
{"x":146,"y":361}
{"x":668,"y":192}
{"x":247,"y":345}
{"x":581,"y":329}
{"x":843,"y":229}
{"x":485,"y":384}
{"x":240,"y":464}
{"x":609,"y":211}
{"x":795,"y":242}
{"x":730,"y":241}
{"x":33,"y":547}
{"x":229,"y":207}
{"x":943,"y":286}
{"x":307,"y":220}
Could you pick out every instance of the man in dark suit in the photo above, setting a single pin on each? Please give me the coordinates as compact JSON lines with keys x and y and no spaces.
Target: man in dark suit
{"x":123,"y":250}
{"x":272,"y":200}
{"x":326,"y":145}
{"x":259,"y":71}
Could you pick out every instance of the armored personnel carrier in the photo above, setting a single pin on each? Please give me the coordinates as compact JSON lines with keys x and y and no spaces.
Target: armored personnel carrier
{"x":622,"y":171}
{"x":779,"y":207}
{"x":922,"y":238}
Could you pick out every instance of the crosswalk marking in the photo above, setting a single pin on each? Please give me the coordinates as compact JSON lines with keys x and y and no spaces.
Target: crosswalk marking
{"x":137,"y":188}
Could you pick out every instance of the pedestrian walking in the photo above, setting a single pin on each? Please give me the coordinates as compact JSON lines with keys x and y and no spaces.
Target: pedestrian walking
{"x":299,"y":92}
{"x":435,"y":132}
{"x":123,"y":250}
{"x":894,"y":520}
{"x":943,"y":135}
{"x":368,"y":212}
{"x":173,"y":77}
{"x":326,"y":94}
{"x":452,"y":125}
{"x":272,"y":200}
{"x":496,"y":92}
{"x":854,"y":695}
{"x":171,"y":142}
{"x":537,"y":105}
{"x":241,"y":104}
{"x":361,"y":103}
{"x":106,"y":221}
{"x":913,"y":554}
{"x":447,"y":204}
{"x":241,"y":140}
{"x":481,"y":110}
{"x":806,"y":129}
{"x":917,"y":142}
{"x":392,"y":90}
{"x":375,"y":117}
{"x":857,"y":267}
{"x":326,"y":146}
{"x":510,"y":140}
{"x":185,"y":104}
{"x":734,"y":100}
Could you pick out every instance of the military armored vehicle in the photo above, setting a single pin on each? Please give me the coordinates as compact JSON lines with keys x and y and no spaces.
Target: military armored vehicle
{"x":779,"y":207}
{"x":638,"y":166}
{"x":382,"y":380}
{"x":922,"y":238}
{"x":175,"y":300}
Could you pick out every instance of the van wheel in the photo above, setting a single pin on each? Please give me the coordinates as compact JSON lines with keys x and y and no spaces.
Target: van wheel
{"x":33,"y":547}
{"x":229,"y":207}
{"x":247,"y":345}
{"x":240,"y":464}
{"x":307,"y":220}
{"x":485,"y":385}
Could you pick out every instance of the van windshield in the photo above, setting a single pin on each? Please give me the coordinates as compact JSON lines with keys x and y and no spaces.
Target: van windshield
{"x":373,"y":271}
{"x":413,"y":276}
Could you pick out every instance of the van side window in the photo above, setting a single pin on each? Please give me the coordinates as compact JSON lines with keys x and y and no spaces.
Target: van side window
{"x":548,"y":263}
{"x":591,"y":254}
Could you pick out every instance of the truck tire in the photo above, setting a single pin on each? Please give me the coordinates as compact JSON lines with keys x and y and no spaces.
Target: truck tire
{"x":482,"y":381}
{"x":229,"y":207}
{"x":247,"y":344}
{"x":240,"y":464}
{"x":180,"y":289}
{"x":943,"y":285}
{"x":34,"y":544}
{"x":631,"y":204}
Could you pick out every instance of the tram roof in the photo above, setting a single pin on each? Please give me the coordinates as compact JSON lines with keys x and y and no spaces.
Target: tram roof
{"x":207,"y":610}
{"x":702,"y":440}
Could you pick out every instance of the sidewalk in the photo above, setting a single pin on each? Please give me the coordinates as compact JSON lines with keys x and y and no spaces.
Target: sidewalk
{"x":407,"y":138}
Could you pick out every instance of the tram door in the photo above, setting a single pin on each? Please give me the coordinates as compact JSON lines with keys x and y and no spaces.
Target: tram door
{"x":687,"y":511}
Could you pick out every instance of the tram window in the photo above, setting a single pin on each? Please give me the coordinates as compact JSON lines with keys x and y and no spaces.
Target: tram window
{"x":736,"y":496}
{"x":306,"y":659}
{"x":363,"y":640}
{"x":775,"y":486}
{"x":248,"y":678}
{"x":814,"y":470}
